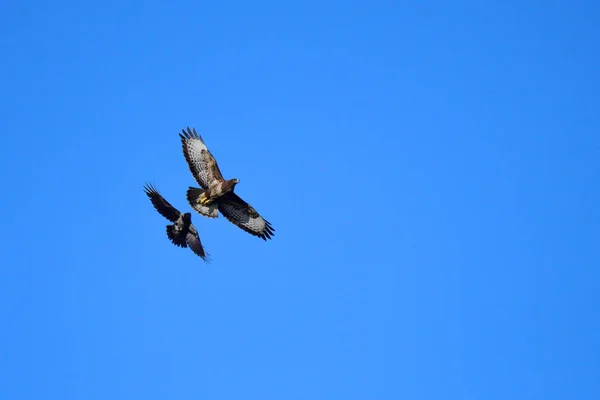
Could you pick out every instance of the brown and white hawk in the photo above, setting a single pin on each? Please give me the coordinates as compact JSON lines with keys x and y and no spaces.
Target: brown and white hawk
{"x":217,"y":194}
{"x":182,"y":233}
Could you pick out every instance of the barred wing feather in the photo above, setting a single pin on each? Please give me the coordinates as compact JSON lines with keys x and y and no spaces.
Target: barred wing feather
{"x":240,"y":213}
{"x":201,"y":162}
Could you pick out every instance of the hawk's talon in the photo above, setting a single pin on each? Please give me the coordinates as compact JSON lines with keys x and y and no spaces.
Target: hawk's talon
{"x":202,"y":199}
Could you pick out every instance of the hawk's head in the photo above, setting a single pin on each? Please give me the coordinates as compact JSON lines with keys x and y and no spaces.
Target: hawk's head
{"x":229,"y":185}
{"x":187,"y":217}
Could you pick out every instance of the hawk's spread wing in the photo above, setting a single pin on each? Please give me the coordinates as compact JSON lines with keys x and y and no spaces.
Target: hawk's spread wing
{"x":193,"y":241}
{"x":202,"y":164}
{"x":240,"y":213}
{"x":162,"y":206}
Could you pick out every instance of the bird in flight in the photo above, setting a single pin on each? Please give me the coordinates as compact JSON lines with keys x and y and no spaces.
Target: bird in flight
{"x":217,"y":194}
{"x":182,"y":232}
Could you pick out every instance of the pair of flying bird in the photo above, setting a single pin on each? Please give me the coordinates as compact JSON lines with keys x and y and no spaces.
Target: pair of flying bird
{"x":215,"y":195}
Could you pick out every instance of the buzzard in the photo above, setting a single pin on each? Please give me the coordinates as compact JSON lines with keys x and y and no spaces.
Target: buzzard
{"x":217,"y":194}
{"x":182,"y":233}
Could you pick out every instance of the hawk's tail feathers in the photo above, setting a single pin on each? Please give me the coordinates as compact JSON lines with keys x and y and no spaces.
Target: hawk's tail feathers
{"x":176,"y":236}
{"x":193,"y":194}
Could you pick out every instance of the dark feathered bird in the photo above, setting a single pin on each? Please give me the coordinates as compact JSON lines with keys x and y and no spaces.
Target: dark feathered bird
{"x":182,"y":233}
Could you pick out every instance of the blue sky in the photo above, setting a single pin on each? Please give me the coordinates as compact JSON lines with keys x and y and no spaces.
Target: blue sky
{"x":431,"y":170}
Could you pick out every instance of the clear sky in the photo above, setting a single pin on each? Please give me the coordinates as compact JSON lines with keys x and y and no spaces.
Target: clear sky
{"x":431,"y":169}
